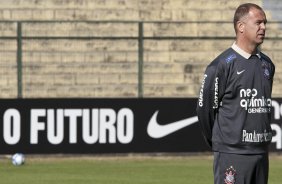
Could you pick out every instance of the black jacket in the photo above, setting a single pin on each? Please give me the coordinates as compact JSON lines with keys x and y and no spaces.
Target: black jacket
{"x":234,"y":105}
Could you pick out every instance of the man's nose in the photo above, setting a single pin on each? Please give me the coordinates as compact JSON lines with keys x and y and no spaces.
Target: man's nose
{"x":263,"y":26}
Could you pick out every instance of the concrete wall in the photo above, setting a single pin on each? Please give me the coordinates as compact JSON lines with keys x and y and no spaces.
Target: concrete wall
{"x":109,"y":67}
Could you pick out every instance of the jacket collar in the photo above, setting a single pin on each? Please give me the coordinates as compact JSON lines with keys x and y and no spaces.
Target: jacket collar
{"x":242,"y":52}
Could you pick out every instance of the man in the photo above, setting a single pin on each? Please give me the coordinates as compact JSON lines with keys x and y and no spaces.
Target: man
{"x":234,"y":106}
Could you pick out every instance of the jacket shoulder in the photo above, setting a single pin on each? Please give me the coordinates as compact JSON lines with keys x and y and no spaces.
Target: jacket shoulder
{"x":265,"y":57}
{"x":224,"y":59}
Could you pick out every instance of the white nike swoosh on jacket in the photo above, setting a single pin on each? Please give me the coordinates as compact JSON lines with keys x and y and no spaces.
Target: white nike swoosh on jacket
{"x":238,"y":73}
{"x":155,"y":130}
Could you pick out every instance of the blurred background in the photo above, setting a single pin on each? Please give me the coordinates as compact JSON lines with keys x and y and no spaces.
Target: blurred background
{"x":64,"y":61}
{"x":119,"y":48}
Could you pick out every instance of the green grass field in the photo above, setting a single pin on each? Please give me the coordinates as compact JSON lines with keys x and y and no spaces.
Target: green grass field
{"x":118,"y":170}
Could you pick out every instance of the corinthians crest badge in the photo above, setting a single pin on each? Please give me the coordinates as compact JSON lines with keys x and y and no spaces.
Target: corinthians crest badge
{"x":266,"y":70}
{"x":230,"y":175}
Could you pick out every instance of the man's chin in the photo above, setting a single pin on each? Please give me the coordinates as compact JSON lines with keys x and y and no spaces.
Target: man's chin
{"x":260,"y":41}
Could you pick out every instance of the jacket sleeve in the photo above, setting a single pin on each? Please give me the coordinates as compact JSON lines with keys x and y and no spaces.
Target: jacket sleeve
{"x":211,"y":92}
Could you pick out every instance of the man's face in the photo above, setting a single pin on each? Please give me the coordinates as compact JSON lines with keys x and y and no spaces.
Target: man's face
{"x":254,"y":26}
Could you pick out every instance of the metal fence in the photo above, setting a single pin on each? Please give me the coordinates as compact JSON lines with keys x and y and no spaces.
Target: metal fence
{"x":142,"y":35}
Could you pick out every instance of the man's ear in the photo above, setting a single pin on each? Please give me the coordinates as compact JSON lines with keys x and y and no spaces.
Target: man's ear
{"x":240,"y":26}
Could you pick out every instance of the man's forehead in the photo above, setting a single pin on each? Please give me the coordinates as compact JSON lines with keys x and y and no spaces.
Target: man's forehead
{"x":257,"y":14}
